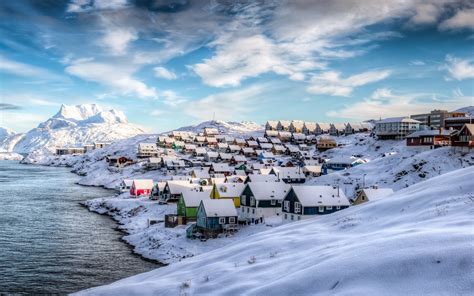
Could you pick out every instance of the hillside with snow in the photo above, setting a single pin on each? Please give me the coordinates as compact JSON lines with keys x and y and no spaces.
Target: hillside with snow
{"x":469,"y":110}
{"x":72,"y":126}
{"x":418,"y":241}
{"x":227,"y":127}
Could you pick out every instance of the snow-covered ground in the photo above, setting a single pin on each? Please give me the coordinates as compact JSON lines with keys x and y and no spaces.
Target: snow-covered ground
{"x":166,"y":245}
{"x":417,"y":242}
{"x":10,"y":156}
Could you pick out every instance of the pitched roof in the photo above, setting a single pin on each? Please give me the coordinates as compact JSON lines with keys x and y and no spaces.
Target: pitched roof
{"x":313,"y":196}
{"x":230,"y":189}
{"x":269,"y":191}
{"x":263,"y":178}
{"x":398,"y":119}
{"x":143,"y":183}
{"x":377,"y":193}
{"x":193,"y":198}
{"x":219,"y":207}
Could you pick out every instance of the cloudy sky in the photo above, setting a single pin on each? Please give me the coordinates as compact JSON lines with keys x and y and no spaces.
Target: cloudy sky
{"x":168,"y":63}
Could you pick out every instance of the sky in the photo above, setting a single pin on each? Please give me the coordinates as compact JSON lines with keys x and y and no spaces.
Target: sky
{"x":170,"y":63}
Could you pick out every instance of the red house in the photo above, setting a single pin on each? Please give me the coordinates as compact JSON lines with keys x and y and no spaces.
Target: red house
{"x":464,"y":139}
{"x":141,"y":187}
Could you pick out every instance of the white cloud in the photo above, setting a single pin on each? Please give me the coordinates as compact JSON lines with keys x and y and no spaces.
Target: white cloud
{"x":384,"y":103}
{"x":229,"y":105}
{"x":417,"y":63}
{"x":26,"y":70}
{"x":162,"y":72}
{"x":172,"y":99}
{"x":425,"y":14}
{"x":458,"y":68}
{"x":78,"y":6}
{"x":117,"y":40}
{"x":117,"y":78}
{"x":331,"y":83}
{"x":463,"y":19}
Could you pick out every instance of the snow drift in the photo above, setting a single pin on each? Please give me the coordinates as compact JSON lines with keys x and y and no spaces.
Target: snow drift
{"x":418,"y":241}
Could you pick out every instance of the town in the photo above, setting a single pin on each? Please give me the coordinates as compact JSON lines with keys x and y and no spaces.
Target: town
{"x":220,"y":183}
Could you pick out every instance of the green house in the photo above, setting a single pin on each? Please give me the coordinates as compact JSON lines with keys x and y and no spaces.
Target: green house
{"x":189,"y":201}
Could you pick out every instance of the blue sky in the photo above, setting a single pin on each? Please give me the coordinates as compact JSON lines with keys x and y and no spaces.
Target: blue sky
{"x":169,"y":63}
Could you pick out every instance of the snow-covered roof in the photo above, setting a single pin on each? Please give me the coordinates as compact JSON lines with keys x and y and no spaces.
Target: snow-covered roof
{"x":212,"y":154}
{"x":221,"y":167}
{"x":312,"y":196}
{"x":430,"y":133}
{"x":225,"y":155}
{"x":299,"y":136}
{"x":154,"y":160}
{"x":230,"y":189}
{"x":127,"y":182}
{"x":200,"y":150}
{"x":239,"y":158}
{"x":289,"y":172}
{"x":234,"y":147}
{"x":272,"y":123}
{"x":179,"y":186}
{"x":297,"y":123}
{"x":271,"y":133}
{"x":193,"y":198}
{"x":312,"y":168}
{"x":275,"y":140}
{"x":269,"y":191}
{"x":262,"y":178}
{"x":222,"y":145}
{"x":252,"y":143}
{"x":248,"y":150}
{"x":344,"y":160}
{"x":143,"y":183}
{"x":266,"y":145}
{"x":147,"y":146}
{"x":377,"y":193}
{"x":283,"y":134}
{"x":219,"y":207}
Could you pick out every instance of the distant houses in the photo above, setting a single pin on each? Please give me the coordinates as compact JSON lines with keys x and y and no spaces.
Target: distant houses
{"x":80,"y":150}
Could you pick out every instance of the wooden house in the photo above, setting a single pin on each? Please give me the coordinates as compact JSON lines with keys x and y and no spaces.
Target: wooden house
{"x":371,"y":194}
{"x":266,"y":146}
{"x":260,"y":200}
{"x":261,"y":140}
{"x":298,"y":138}
{"x":296,"y":126}
{"x":211,"y":142}
{"x":238,"y":160}
{"x":220,"y":168}
{"x":271,"y":125}
{"x":189,"y":148}
{"x":153,"y":163}
{"x":430,"y":139}
{"x":146,"y":150}
{"x":200,"y":141}
{"x":284,"y":136}
{"x":292,"y":175}
{"x":118,"y":161}
{"x":222,"y":147}
{"x":240,"y":142}
{"x":230,"y":191}
{"x":274,"y":141}
{"x":264,"y":155}
{"x":174,"y":188}
{"x":271,"y":134}
{"x":309,"y":128}
{"x":312,"y":170}
{"x":216,"y":216}
{"x":141,"y":187}
{"x":210,"y":131}
{"x":189,"y":201}
{"x":304,"y":201}
{"x":248,"y":152}
{"x":278,"y":149}
{"x":233,"y":149}
{"x":283,"y":125}
{"x":322,"y":128}
{"x":157,"y":190}
{"x":199,"y":151}
{"x":125,"y":185}
{"x":252,"y":144}
{"x":211,"y":156}
{"x":326,"y":143}
{"x":337,"y":129}
{"x":464,"y":139}
{"x":201,"y":173}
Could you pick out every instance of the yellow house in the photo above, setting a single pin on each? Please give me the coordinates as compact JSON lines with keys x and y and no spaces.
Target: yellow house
{"x":371,"y":194}
{"x":228,"y":191}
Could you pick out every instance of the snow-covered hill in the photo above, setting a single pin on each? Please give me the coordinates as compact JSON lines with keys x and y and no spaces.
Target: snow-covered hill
{"x":469,"y":110}
{"x":227,"y":127}
{"x":73,"y":126}
{"x":416,"y":242}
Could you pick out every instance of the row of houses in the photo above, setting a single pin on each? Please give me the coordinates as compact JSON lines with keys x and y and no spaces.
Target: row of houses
{"x":317,"y":128}
{"x":80,"y":150}
{"x":219,"y":208}
{"x":462,"y":140}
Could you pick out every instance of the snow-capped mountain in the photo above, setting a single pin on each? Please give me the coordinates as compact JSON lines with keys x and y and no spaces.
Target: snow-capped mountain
{"x":226,"y":127}
{"x":72,"y":126}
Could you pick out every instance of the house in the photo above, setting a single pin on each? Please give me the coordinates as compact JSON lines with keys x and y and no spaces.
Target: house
{"x":289,"y":174}
{"x":211,"y":156}
{"x":174,"y":188}
{"x":222,"y":147}
{"x":266,"y":146}
{"x":201,"y":173}
{"x":175,"y":164}
{"x":326,"y":143}
{"x":233,"y":149}
{"x":200,"y":151}
{"x":189,"y":201}
{"x":342,"y":162}
{"x":210,"y":131}
{"x":99,"y":145}
{"x":189,"y":148}
{"x":220,"y":168}
{"x":430,"y":138}
{"x":160,"y":141}
{"x":322,"y":128}
{"x":118,"y":161}
{"x":283,"y":125}
{"x":284,"y":136}
{"x":309,"y":128}
{"x":261,"y":140}
{"x":228,"y":191}
{"x":211,"y":142}
{"x":248,"y":152}
{"x":396,"y":128}
{"x":169,"y":142}
{"x":225,"y":157}
{"x":292,"y":150}
{"x":271,"y":125}
{"x":88,"y":147}
{"x":353,"y":127}
{"x":70,"y":150}
{"x":274,"y":141}
{"x":266,"y":156}
{"x":157,"y":190}
{"x":239,"y":142}
{"x":178,"y":145}
{"x":262,"y":178}
{"x":296,"y":126}
{"x":371,"y":194}
{"x":311,"y":139}
{"x":298,"y":138}
{"x":141,"y":187}
{"x":153,"y":162}
{"x":278,"y":149}
{"x":464,"y":139}
{"x":312,"y":170}
{"x":271,"y":133}
{"x":252,"y":144}
{"x":216,"y":216}
{"x":260,"y":200}
{"x":238,"y":160}
{"x":337,"y":129}
{"x":125,"y":185}
{"x":305,"y":201}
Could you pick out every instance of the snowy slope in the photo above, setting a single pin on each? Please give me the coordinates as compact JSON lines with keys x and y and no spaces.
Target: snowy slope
{"x":73,"y":126}
{"x":228,"y":127}
{"x":417,"y":242}
{"x":469,"y":110}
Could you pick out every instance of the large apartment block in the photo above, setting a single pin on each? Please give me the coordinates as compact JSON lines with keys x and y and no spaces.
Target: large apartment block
{"x":435,"y":119}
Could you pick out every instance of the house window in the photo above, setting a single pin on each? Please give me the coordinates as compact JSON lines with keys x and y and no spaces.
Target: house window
{"x":338,"y":208}
{"x":286,"y":216}
{"x":231,"y":220}
{"x":248,"y":210}
{"x":221,"y":220}
{"x":297,"y":207}
{"x":243,"y":198}
{"x":273,"y":202}
{"x":253,"y":211}
{"x":252,"y":201}
{"x":329,"y":208}
{"x":292,"y":217}
{"x":286,"y":205}
{"x":321,"y":209}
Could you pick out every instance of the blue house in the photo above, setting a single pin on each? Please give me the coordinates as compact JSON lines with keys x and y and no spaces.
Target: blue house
{"x":216,"y":216}
{"x":341,"y":163}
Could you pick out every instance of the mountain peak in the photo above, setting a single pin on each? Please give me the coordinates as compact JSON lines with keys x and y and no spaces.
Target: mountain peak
{"x":77,"y":112}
